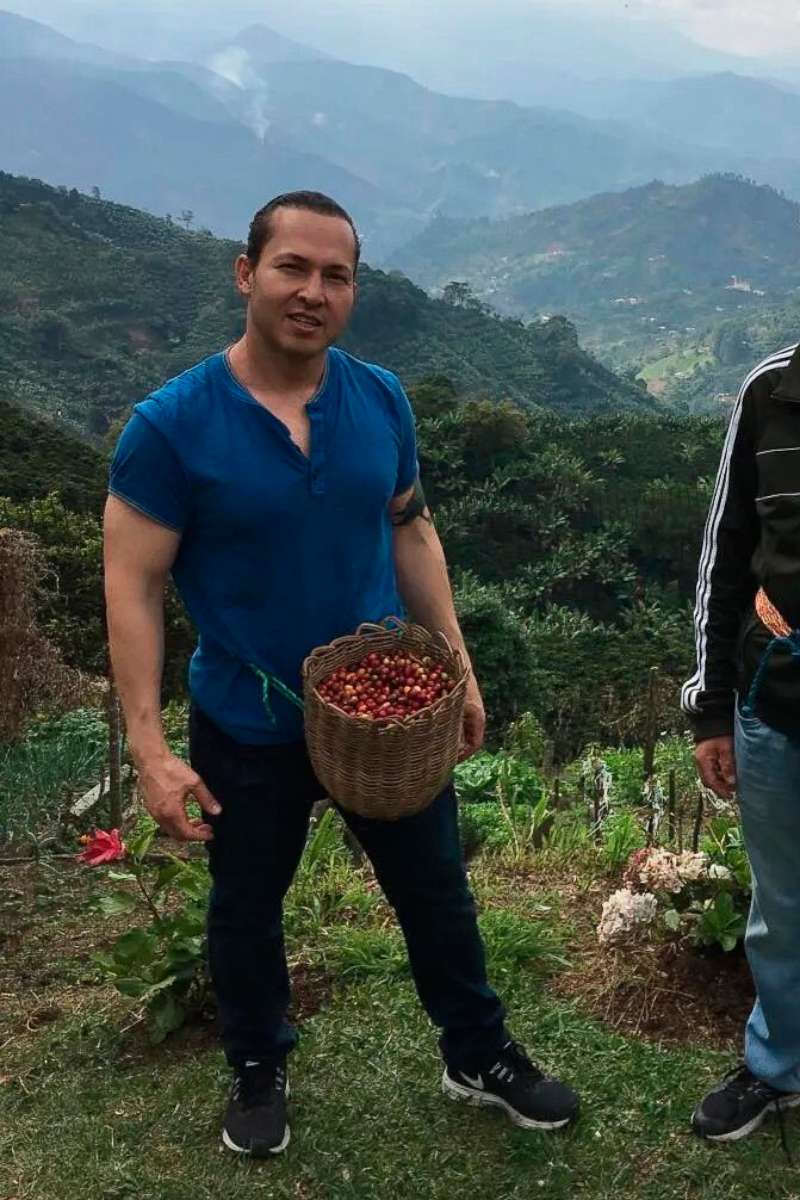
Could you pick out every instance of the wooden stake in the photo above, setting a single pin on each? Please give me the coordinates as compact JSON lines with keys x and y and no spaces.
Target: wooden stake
{"x":113,"y":716}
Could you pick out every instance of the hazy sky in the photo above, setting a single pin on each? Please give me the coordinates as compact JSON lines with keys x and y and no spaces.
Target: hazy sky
{"x":768,"y":28}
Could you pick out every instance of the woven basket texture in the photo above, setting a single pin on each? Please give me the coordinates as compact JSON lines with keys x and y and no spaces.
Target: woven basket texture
{"x":388,"y":769}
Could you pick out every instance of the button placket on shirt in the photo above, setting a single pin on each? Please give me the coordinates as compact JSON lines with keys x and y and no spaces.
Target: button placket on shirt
{"x":316,"y":417}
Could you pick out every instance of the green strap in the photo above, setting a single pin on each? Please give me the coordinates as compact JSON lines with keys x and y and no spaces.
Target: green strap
{"x":271,"y":681}
{"x":268,"y":681}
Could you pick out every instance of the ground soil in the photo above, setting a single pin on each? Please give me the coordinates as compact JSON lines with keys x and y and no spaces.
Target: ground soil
{"x":663,"y":992}
{"x":667,"y":992}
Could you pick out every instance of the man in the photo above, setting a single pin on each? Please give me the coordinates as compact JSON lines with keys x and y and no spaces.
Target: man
{"x":744,"y":702}
{"x":278,"y":482}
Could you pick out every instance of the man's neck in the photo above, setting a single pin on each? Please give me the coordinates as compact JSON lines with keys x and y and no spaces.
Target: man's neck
{"x":266,"y":371}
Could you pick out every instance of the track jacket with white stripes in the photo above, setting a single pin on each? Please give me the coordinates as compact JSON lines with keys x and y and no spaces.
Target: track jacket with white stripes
{"x":751,"y":540}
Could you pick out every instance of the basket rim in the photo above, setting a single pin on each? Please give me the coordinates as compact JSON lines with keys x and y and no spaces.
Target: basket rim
{"x":360,"y":640}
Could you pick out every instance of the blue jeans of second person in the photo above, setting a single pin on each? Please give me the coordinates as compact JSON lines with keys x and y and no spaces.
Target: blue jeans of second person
{"x":266,"y":794}
{"x":768,"y":788}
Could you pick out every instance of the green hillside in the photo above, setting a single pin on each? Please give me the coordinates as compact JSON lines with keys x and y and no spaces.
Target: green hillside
{"x":729,"y":348}
{"x":99,"y":303}
{"x":38,"y":456}
{"x":634,"y":270}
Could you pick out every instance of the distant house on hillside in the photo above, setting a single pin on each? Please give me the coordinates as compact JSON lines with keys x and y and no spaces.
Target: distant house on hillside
{"x":743,"y":285}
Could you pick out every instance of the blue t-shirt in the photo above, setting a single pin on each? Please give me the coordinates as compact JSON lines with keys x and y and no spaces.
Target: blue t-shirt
{"x":279,"y":553}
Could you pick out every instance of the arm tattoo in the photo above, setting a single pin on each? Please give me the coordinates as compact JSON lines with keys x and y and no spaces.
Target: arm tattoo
{"x":416,"y":506}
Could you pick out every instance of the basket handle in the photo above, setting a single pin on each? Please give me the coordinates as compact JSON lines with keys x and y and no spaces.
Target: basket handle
{"x":457,"y":655}
{"x":384,"y":626}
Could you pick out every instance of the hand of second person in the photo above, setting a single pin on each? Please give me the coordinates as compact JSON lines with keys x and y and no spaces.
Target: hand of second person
{"x":167,"y":782}
{"x":473,"y":725}
{"x":716,"y":765}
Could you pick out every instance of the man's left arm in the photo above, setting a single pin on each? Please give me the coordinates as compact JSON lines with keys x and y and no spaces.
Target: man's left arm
{"x":424,"y":587}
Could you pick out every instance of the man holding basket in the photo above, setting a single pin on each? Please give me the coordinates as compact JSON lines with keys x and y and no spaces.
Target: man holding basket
{"x":278,"y":483}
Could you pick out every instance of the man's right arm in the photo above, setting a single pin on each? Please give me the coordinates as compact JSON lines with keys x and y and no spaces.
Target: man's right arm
{"x":138,"y":554}
{"x":725,"y":589}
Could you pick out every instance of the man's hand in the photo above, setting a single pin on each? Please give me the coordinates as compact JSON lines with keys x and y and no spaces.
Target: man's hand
{"x":474,"y":721}
{"x":167,"y":782}
{"x":716,"y":764}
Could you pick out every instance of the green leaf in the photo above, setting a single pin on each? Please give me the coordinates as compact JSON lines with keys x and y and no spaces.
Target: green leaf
{"x":135,"y":946}
{"x":153,"y":989}
{"x":166,"y":875}
{"x":672,"y":919}
{"x":116,"y":903}
{"x":121,"y":876}
{"x":140,"y":843}
{"x":165,"y":1015}
{"x":130,"y":986}
{"x":727,"y":942}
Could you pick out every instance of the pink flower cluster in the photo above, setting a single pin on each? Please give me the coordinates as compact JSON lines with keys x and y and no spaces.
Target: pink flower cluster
{"x":660,"y":870}
{"x":622,"y":913}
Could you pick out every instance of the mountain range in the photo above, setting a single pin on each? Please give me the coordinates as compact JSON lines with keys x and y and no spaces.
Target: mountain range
{"x":631,"y":269}
{"x":257,"y":113}
{"x":100,"y":303}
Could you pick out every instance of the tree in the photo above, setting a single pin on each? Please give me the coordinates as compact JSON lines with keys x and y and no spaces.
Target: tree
{"x":96,"y":192}
{"x":187,"y":216}
{"x":460,"y":295}
{"x":500,"y":650}
{"x":433,"y":396}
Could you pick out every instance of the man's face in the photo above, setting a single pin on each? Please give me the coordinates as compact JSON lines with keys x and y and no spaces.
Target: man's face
{"x":302,"y":290}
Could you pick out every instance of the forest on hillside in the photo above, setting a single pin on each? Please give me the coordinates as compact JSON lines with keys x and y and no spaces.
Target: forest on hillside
{"x":689,"y":283}
{"x":572,"y":545}
{"x":99,"y":303}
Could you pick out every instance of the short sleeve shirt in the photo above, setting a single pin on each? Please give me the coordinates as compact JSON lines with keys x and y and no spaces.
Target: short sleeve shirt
{"x":279,"y":552}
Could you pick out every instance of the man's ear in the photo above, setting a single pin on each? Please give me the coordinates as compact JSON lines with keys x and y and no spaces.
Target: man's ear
{"x":243,"y":274}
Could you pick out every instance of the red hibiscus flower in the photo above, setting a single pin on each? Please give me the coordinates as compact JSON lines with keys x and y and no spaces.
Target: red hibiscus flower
{"x":102,"y":846}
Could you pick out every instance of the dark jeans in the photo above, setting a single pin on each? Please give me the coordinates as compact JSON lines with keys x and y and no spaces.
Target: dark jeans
{"x":266,"y":793}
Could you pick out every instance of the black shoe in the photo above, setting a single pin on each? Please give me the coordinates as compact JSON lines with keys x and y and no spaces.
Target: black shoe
{"x":255,"y":1120}
{"x":738,"y":1105}
{"x":512,"y":1082}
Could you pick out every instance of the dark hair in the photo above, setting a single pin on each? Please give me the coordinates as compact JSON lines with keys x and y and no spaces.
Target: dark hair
{"x":317,"y":202}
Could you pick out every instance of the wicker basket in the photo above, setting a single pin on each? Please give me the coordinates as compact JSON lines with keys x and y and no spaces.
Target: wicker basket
{"x":393,"y":768}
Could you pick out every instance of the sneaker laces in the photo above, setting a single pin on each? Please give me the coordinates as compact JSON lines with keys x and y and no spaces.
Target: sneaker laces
{"x":258,"y":1084}
{"x":515,"y":1056}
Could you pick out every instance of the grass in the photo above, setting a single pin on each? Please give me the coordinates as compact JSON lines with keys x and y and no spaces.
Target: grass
{"x":57,"y":761}
{"x":683,"y":360}
{"x":88,"y":1110}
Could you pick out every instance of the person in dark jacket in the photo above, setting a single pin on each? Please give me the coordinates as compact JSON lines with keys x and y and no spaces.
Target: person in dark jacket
{"x":744,"y":704}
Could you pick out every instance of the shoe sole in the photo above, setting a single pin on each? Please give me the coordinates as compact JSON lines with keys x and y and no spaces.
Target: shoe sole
{"x":230,"y":1144}
{"x":736,"y":1134}
{"x":457,"y":1091}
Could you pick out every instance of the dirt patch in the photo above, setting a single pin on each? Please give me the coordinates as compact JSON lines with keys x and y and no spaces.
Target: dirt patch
{"x":311,"y":991}
{"x":665,"y":993}
{"x":201,"y":1031}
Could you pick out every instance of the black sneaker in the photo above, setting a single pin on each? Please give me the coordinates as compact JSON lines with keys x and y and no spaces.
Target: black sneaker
{"x":738,"y":1105}
{"x":512,"y":1082}
{"x":255,"y":1120}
